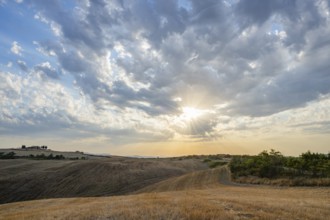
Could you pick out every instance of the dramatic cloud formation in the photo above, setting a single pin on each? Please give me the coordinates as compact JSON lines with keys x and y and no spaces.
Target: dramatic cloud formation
{"x":114,"y":73}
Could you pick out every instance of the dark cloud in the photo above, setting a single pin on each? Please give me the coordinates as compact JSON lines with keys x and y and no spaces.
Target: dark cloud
{"x":289,"y":88}
{"x":207,"y":12}
{"x":203,"y":128}
{"x":22,"y":65}
{"x":259,"y":11}
{"x":48,"y":70}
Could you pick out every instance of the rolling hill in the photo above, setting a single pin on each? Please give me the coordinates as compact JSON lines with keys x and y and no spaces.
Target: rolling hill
{"x":203,"y":179}
{"x":212,"y":199}
{"x":23,"y":179}
{"x":122,"y":188}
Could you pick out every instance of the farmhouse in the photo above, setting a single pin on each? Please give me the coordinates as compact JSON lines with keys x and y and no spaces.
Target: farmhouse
{"x":35,"y":147}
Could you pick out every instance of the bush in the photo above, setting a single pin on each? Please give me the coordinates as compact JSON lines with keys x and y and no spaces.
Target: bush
{"x":274,"y":165}
{"x":214,"y":164}
{"x":9,"y":155}
{"x":44,"y":157}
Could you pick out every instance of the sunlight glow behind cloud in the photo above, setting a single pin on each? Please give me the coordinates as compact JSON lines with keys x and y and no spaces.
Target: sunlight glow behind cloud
{"x":190,"y":113}
{"x":108,"y":76}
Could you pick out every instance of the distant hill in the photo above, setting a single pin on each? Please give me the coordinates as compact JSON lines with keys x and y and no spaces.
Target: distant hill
{"x":67,"y":154}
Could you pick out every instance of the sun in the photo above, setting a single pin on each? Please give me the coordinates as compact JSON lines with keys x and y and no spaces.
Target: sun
{"x":189,"y":113}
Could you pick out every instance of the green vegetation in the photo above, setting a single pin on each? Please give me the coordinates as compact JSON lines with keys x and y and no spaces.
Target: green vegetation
{"x":10,"y":155}
{"x":204,"y":157}
{"x":44,"y":157}
{"x":214,"y":163}
{"x":274,"y":165}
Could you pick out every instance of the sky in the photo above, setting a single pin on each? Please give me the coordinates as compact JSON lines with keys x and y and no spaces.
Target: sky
{"x":166,"y":77}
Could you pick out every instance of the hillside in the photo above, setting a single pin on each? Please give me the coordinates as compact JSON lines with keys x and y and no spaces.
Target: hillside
{"x":203,"y":179}
{"x":67,"y":154}
{"x":208,"y":200}
{"x":23,"y":179}
{"x":122,"y":188}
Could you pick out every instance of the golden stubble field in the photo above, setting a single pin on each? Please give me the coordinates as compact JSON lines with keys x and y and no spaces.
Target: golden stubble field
{"x":223,"y":202}
{"x":211,"y":200}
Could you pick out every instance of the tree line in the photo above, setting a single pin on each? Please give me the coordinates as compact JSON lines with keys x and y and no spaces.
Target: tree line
{"x":273,"y":164}
{"x":12,"y":155}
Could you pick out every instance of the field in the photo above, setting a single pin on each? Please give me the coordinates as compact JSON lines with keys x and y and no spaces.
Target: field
{"x":147,"y":189}
{"x":25,"y":179}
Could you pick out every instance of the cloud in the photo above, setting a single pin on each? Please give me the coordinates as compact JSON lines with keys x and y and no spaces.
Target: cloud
{"x":16,"y":48}
{"x":22,"y":65}
{"x":131,"y":61}
{"x":201,"y":128}
{"x":47,"y":69}
{"x":173,"y":35}
{"x":34,"y":107}
{"x":258,"y":11}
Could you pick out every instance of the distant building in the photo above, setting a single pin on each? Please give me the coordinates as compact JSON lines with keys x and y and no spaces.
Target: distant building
{"x":35,"y":147}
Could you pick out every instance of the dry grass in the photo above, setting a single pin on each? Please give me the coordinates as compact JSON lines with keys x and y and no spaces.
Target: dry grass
{"x":199,"y":193}
{"x":191,"y":199}
{"x":196,"y":180}
{"x":297,"y":181}
{"x":222,"y":202}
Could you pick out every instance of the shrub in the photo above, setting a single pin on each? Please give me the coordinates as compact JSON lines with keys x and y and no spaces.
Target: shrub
{"x":9,"y":155}
{"x":214,"y":164}
{"x":274,"y":165}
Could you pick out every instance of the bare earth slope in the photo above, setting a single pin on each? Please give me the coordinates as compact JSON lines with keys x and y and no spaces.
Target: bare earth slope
{"x":22,"y":179}
{"x":209,"y":201}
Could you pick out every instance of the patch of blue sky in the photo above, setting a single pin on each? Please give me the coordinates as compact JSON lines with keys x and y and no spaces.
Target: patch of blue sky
{"x":185,"y":4}
{"x":276,"y":27}
{"x":276,"y":24}
{"x":67,"y":80}
{"x":114,"y":55}
{"x":69,"y":4}
{"x":17,"y":23}
{"x":231,"y":2}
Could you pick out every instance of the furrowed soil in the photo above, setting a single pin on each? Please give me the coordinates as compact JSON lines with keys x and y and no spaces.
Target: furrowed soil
{"x":23,"y":179}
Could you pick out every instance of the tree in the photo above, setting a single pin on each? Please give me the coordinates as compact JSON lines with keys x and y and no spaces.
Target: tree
{"x":9,"y":155}
{"x":271,"y":164}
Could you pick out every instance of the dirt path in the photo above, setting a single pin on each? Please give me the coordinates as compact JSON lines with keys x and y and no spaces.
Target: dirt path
{"x":196,"y":180}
